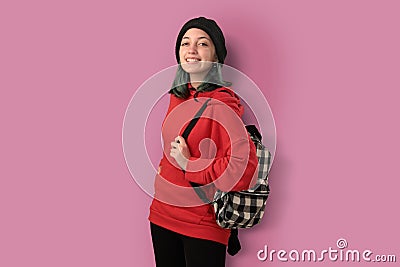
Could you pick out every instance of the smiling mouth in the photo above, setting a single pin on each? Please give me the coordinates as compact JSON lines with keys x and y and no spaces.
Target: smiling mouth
{"x":192,"y":60}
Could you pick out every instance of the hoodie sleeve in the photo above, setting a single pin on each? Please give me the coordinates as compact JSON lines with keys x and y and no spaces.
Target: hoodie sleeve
{"x":231,"y":161}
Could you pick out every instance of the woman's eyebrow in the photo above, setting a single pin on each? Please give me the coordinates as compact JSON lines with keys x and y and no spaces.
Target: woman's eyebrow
{"x":201,"y":37}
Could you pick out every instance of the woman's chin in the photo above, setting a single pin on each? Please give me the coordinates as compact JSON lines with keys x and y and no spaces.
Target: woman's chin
{"x":196,"y":67}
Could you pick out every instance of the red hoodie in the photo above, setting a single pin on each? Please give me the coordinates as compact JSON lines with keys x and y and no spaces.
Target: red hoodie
{"x":227,"y":163}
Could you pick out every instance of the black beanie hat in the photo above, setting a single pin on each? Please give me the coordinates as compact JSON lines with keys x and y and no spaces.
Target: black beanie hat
{"x":211,"y":28}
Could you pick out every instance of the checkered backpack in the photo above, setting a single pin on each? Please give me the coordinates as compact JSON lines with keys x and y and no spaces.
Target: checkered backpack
{"x":244,"y":209}
{"x":239,"y":209}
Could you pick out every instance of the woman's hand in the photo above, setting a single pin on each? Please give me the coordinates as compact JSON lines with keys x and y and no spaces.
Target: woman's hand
{"x":180,"y":152}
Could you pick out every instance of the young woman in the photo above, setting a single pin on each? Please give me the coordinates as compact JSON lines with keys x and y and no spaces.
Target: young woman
{"x":217,"y":152}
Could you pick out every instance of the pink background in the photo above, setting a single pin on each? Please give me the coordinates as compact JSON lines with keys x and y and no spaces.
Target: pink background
{"x":329,"y":70}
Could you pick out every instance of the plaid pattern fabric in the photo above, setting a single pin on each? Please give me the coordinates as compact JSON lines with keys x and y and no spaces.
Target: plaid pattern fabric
{"x":244,"y":209}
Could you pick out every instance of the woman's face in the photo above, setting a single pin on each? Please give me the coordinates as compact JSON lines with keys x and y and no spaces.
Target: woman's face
{"x":196,"y":53}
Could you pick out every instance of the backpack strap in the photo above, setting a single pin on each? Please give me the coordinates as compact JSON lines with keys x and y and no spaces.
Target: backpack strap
{"x":233,"y":242}
{"x":185,"y":135}
{"x":195,"y":119}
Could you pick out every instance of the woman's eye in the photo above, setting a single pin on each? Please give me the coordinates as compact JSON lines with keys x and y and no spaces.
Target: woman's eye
{"x":185,"y":44}
{"x":203,"y":44}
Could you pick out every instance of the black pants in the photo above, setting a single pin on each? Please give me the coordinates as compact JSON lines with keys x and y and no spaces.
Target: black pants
{"x":175,"y":250}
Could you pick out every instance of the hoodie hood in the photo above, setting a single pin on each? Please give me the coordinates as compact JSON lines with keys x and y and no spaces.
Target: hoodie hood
{"x":228,"y":97}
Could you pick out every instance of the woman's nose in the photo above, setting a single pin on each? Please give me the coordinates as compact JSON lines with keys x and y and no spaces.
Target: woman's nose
{"x":192,"y":49}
